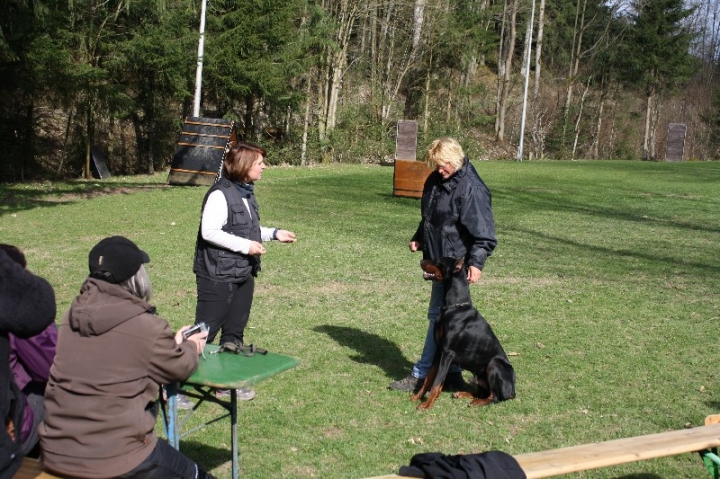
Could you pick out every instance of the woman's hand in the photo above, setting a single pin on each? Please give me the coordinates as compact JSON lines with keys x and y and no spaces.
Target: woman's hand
{"x":199,"y":339}
{"x":473,"y":275}
{"x":285,"y":236}
{"x":256,"y":248}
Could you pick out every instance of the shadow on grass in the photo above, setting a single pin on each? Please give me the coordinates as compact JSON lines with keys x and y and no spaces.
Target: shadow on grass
{"x":14,"y":199}
{"x":208,"y":457}
{"x":371,"y":349}
{"x":640,"y":476}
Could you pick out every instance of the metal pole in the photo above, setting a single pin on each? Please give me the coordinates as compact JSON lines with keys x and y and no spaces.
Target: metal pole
{"x":527,"y":79}
{"x":198,"y":72}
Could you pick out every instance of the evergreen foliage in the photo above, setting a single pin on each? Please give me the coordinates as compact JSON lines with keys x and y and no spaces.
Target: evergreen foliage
{"x":327,"y":81}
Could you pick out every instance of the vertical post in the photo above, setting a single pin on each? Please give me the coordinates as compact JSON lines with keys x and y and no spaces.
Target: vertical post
{"x":198,"y":72}
{"x":527,"y":78}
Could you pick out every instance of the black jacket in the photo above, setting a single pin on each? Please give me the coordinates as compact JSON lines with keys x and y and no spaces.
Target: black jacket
{"x":457,"y":219}
{"x":220,"y":264}
{"x":487,"y":465}
{"x":27,"y":306}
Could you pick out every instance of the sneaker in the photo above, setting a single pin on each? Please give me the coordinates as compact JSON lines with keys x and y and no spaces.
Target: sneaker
{"x":242,"y":394}
{"x":454,"y":382}
{"x":407,"y":384}
{"x":183,"y":402}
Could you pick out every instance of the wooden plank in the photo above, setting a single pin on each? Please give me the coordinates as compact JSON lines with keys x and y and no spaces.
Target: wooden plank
{"x":409,"y":177}
{"x":556,"y":462}
{"x":619,"y":451}
{"x":675,"y":143}
{"x":406,"y":140}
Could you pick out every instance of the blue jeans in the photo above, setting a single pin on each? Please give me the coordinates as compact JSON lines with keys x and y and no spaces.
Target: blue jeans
{"x":422,"y":367}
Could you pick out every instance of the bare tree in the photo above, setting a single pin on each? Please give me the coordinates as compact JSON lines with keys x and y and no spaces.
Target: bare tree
{"x":507,"y":47}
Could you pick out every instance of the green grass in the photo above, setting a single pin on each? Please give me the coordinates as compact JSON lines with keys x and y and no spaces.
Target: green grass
{"x":605,"y":282}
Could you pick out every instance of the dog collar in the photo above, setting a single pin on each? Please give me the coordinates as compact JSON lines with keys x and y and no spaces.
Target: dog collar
{"x":456,"y":305}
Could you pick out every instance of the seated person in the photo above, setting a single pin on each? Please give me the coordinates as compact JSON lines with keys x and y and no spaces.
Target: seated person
{"x":113,"y":353}
{"x":30,"y":361}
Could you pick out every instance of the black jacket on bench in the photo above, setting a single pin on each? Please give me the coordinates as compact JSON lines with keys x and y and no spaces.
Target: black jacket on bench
{"x":487,"y":465}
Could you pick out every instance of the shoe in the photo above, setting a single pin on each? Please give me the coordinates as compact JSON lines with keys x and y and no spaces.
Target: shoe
{"x":407,"y":384}
{"x":454,"y":382}
{"x":242,"y":394}
{"x":183,"y":402}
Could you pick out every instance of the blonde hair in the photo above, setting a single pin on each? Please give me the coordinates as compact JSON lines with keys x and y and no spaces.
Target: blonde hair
{"x":139,"y":284}
{"x":445,"y":151}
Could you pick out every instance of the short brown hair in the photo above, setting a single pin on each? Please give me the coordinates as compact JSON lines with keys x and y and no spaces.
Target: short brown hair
{"x":239,"y":160}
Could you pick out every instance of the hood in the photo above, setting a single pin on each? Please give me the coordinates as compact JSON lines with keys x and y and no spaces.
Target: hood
{"x":101,"y":306}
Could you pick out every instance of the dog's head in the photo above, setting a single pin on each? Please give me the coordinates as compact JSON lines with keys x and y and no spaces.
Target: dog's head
{"x":442,"y":269}
{"x":501,"y":379}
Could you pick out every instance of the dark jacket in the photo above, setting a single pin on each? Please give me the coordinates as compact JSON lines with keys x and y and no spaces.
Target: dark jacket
{"x":27,"y":306}
{"x":113,"y":353}
{"x":220,"y":264}
{"x":486,"y":465}
{"x":457,"y":219}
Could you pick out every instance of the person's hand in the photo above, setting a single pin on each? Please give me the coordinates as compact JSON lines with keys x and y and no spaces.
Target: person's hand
{"x":414,"y":246}
{"x":285,"y":236}
{"x":199,"y":338}
{"x":474,"y":274}
{"x":256,"y":248}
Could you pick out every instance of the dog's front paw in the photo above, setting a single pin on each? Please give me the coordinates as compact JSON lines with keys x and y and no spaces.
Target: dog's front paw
{"x":462,"y":395}
{"x":425,"y":405}
{"x":481,"y":402}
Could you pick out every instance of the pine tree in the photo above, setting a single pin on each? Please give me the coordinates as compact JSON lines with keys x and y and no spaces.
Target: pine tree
{"x":657,"y":57}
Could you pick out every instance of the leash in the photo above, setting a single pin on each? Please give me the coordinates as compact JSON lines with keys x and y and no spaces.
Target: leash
{"x":236,"y":347}
{"x":456,"y":305}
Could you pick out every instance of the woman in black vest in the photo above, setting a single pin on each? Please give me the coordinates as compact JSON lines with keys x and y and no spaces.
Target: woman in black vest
{"x":229,"y":247}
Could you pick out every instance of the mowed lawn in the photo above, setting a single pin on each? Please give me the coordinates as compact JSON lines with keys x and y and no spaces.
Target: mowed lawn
{"x":605,"y":287}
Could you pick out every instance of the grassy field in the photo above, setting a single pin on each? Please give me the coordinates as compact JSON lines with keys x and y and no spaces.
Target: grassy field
{"x":605,"y":283}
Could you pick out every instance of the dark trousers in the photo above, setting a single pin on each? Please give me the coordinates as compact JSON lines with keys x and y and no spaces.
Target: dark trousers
{"x":226,"y":306}
{"x":166,"y":462}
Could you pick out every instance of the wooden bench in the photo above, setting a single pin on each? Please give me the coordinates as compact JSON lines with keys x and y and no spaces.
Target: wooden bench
{"x":409,"y":177}
{"x":31,"y":469}
{"x":556,"y":462}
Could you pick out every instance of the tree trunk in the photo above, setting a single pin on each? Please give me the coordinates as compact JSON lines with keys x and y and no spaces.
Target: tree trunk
{"x":417,"y":23}
{"x":538,"y":49}
{"x":502,"y":51}
{"x":648,"y":116}
{"x":88,"y":141}
{"x":598,"y":125}
{"x":426,"y":112}
{"x":346,"y":15}
{"x":506,"y":78}
{"x":574,"y":60}
{"x":653,"y":128}
{"x":579,"y":118}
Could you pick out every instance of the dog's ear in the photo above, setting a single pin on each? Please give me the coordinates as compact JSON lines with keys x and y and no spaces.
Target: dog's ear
{"x":459,"y":264}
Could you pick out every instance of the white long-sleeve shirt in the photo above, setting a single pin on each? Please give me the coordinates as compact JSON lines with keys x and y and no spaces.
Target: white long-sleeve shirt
{"x":214,"y":217}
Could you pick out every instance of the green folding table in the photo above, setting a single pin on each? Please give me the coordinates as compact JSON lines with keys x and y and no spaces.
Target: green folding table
{"x":221,"y":371}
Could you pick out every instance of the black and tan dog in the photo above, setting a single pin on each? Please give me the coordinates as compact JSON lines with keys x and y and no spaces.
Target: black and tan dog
{"x":464,"y":337}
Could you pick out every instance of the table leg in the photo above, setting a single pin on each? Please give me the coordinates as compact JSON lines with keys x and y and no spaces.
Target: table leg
{"x":233,"y":433}
{"x":173,"y":437}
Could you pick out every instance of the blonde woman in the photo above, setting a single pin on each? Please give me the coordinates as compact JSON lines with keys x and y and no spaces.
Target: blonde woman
{"x":457,"y":221}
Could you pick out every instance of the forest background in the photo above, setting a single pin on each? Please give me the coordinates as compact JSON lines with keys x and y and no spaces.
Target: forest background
{"x":327,"y":80}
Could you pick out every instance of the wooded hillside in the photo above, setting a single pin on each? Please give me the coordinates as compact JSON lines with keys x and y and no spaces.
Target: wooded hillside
{"x":327,"y":80}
